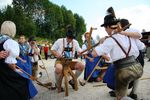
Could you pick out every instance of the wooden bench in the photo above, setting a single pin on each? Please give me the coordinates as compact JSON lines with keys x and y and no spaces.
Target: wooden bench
{"x":67,"y":71}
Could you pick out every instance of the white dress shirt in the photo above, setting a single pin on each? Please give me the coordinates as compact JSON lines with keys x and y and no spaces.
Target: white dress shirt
{"x":133,"y":30}
{"x":111,"y":47}
{"x":58,"y":46}
{"x":13,"y":48}
{"x":140,"y":44}
{"x":84,"y":47}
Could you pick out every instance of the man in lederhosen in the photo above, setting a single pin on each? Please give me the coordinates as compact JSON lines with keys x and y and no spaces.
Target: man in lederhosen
{"x":123,"y":51}
{"x":134,"y":33}
{"x":109,"y":77}
{"x":66,"y":47}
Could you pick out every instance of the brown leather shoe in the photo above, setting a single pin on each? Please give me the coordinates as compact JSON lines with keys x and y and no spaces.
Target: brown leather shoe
{"x":62,"y":89}
{"x":112,"y":93}
{"x":72,"y":84}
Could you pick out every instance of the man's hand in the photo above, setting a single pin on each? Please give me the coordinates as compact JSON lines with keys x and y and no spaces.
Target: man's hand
{"x":3,"y":54}
{"x":58,"y":55}
{"x":79,"y":54}
{"x":106,"y":57}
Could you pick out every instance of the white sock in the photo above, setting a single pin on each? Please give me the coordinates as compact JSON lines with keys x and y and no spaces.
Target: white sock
{"x":57,"y":78}
{"x":135,"y":86}
{"x":77,"y":74}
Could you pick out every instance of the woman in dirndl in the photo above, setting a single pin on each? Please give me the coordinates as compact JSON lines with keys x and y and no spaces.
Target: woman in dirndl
{"x":90,"y":62}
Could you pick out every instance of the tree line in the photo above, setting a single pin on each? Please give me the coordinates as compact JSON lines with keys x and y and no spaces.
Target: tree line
{"x":42,"y":18}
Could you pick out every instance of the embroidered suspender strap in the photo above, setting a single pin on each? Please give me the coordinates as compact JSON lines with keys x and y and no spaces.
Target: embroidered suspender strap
{"x":122,"y":47}
{"x":72,"y":47}
{"x":63,"y":46}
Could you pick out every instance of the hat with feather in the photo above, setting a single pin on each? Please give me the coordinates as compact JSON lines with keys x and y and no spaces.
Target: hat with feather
{"x":110,"y":19}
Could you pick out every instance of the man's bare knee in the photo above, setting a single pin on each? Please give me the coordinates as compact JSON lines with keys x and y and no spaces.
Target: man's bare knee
{"x":58,"y":69}
{"x":79,"y":66}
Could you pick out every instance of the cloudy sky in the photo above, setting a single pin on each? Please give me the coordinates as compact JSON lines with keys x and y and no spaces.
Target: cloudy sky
{"x":93,"y":11}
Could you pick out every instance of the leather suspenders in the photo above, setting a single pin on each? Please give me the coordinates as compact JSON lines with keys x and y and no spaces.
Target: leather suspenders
{"x":64,"y":48}
{"x":126,"y":53}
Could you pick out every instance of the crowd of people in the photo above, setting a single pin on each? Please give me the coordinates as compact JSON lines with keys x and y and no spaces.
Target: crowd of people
{"x":124,"y":70}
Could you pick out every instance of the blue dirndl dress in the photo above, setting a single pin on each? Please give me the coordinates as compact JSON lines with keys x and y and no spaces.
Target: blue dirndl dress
{"x":89,"y":66}
{"x":27,"y":67}
{"x":109,"y":77}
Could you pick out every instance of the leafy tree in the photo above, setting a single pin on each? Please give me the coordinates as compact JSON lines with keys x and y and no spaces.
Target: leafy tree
{"x":43,"y":19}
{"x":80,"y":27}
{"x":68,"y":17}
{"x":8,"y":13}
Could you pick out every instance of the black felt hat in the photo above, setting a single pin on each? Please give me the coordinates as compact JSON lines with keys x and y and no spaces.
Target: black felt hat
{"x":109,"y":20}
{"x":124,"y":22}
{"x":70,"y":34}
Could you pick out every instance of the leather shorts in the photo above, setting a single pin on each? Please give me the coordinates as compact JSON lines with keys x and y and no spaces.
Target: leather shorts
{"x":125,"y":62}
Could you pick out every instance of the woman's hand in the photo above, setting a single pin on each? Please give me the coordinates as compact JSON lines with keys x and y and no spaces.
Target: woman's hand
{"x":24,"y":61}
{"x":91,"y":59}
{"x":3,"y":54}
